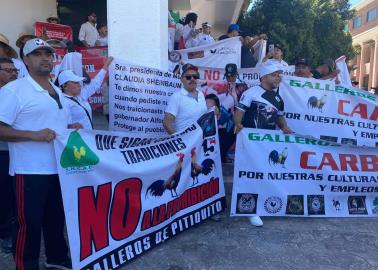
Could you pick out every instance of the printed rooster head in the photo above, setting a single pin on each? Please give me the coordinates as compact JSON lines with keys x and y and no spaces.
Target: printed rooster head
{"x":180,"y":155}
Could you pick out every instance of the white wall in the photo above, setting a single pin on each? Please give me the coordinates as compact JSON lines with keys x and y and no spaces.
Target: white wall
{"x":17,"y":16}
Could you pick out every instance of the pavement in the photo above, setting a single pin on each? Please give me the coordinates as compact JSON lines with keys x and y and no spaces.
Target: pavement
{"x":282,"y":243}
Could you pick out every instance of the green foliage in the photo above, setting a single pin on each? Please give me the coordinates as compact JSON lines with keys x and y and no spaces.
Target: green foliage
{"x":305,"y":28}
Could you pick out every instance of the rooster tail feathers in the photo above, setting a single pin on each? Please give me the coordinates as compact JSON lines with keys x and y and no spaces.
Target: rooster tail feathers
{"x":207,"y":166}
{"x":156,"y":189}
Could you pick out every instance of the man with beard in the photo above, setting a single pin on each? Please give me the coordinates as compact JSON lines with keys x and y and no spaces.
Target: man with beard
{"x":88,"y":34}
{"x":187,"y":105}
{"x":302,"y":68}
{"x":262,"y":107}
{"x":31,"y":115}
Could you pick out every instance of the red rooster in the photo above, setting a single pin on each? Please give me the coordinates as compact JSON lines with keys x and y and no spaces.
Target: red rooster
{"x":158,"y":187}
{"x":196,"y":169}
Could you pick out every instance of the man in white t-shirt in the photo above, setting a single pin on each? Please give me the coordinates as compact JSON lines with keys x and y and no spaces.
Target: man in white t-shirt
{"x":202,"y":38}
{"x":186,"y":105}
{"x":31,"y":115}
{"x":88,"y":34}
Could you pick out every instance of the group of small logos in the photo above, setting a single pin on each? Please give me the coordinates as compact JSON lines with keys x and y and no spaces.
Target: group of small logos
{"x":295,"y":205}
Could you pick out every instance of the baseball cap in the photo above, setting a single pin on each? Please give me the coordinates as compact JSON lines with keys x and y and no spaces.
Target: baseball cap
{"x":231,"y":69}
{"x":278,"y":46}
{"x":267,"y":69}
{"x":68,"y":76}
{"x":302,"y":61}
{"x":36,"y":44}
{"x":233,"y":27}
{"x":187,"y":67}
{"x":206,"y":24}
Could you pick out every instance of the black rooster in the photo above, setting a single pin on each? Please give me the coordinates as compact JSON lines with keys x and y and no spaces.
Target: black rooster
{"x":158,"y":187}
{"x":276,"y":158}
{"x":196,"y":169}
{"x":314,"y":102}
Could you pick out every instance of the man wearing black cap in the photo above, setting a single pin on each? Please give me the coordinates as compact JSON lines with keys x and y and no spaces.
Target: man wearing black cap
{"x":186,"y":105}
{"x":274,"y":57}
{"x":302,"y":69}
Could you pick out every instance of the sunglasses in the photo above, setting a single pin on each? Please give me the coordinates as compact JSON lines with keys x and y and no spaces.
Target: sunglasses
{"x":10,"y":70}
{"x":194,"y":76}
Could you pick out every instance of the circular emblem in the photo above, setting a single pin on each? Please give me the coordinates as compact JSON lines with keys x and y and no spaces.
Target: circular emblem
{"x":174,"y":56}
{"x":316,"y":204}
{"x":246,"y":203}
{"x":273,"y":205}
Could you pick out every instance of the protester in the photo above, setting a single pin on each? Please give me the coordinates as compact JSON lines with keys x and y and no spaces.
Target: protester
{"x":248,"y":59}
{"x":23,"y":37}
{"x":103,"y":35}
{"x":6,"y":51}
{"x":187,"y":105}
{"x":262,"y":107}
{"x":189,"y":31}
{"x":202,"y":38}
{"x":53,"y":19}
{"x":302,"y":68}
{"x":8,"y":73}
{"x":327,"y":70}
{"x":88,"y":34}
{"x":274,"y":57}
{"x":233,"y":31}
{"x":76,"y":97}
{"x":31,"y":116}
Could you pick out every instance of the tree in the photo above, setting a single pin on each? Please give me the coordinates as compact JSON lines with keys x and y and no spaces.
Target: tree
{"x":305,"y":28}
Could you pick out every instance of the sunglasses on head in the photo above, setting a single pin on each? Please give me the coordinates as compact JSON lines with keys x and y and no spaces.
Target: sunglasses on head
{"x":189,"y":77}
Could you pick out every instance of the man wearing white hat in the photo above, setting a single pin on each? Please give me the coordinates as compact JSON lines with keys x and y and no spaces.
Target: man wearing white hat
{"x":262,"y":107}
{"x":31,"y":115}
{"x":201,"y":38}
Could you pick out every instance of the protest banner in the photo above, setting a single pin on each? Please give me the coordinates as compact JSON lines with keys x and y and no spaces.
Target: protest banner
{"x":124,"y":195}
{"x":291,"y":175}
{"x":330,"y":111}
{"x":215,"y":55}
{"x":138,"y":97}
{"x":53,"y":31}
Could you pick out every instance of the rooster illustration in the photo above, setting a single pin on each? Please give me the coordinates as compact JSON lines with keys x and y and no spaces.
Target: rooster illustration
{"x":158,"y":187}
{"x":336,"y":204}
{"x":78,"y":153}
{"x":196,"y":169}
{"x":314,"y":102}
{"x":276,"y":158}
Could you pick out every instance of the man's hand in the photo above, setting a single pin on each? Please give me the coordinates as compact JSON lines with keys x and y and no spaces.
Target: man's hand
{"x":238,"y":128}
{"x":44,"y":135}
{"x":107,"y":62}
{"x":287,"y":130}
{"x":75,"y":126}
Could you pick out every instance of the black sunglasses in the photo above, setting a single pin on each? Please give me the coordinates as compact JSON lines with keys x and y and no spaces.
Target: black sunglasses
{"x":10,"y":70}
{"x":194,"y":76}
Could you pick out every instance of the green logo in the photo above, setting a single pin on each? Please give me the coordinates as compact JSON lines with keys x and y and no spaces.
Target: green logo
{"x":77,"y":153}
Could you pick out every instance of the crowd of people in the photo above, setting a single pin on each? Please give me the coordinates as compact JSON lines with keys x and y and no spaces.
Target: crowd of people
{"x":33,"y":110}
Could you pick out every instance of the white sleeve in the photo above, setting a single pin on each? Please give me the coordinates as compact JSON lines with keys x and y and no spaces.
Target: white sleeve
{"x":82,"y":32}
{"x":173,"y":104}
{"x":95,"y":84}
{"x":10,"y":106}
{"x":245,"y":101}
{"x":187,"y":32}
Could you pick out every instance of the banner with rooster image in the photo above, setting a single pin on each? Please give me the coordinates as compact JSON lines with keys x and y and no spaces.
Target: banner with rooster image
{"x":292,"y":175}
{"x":124,"y":195}
{"x":329,"y":111}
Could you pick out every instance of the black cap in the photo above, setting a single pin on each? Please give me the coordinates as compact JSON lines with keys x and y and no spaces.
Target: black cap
{"x":231,"y":69}
{"x":278,"y":46}
{"x":187,"y":67}
{"x":302,"y":61}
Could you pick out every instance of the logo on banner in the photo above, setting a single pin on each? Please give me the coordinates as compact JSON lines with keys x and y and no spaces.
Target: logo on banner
{"x":315,"y":204}
{"x":357,"y":205}
{"x":295,"y":205}
{"x":77,"y":157}
{"x":174,"y":56}
{"x":276,"y":158}
{"x":374,"y":206}
{"x":246,"y":203}
{"x":273,"y":205}
{"x":195,"y":55}
{"x":318,"y":103}
{"x":223,"y":51}
{"x":336,"y":204}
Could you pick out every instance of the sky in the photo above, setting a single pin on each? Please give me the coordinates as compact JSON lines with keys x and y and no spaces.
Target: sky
{"x":353,"y":2}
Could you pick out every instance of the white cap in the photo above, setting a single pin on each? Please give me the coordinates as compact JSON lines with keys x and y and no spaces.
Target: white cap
{"x":266,"y":69}
{"x":69,"y":76}
{"x":36,"y":44}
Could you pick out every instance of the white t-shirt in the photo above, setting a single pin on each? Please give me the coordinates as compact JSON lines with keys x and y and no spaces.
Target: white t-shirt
{"x":199,"y":40}
{"x":89,"y":33}
{"x":186,"y":108}
{"x":277,"y":63}
{"x":25,"y":105}
{"x":77,"y":112}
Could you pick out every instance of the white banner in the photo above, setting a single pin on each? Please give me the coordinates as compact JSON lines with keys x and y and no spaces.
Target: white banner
{"x":330,"y":111}
{"x":123,"y":195}
{"x":215,"y":55}
{"x":291,"y":175}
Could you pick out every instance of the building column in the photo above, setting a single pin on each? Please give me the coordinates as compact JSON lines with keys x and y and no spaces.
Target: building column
{"x":371,"y":47}
{"x":361,"y":67}
{"x":375,"y":64}
{"x":358,"y":62}
{"x":138,"y":31}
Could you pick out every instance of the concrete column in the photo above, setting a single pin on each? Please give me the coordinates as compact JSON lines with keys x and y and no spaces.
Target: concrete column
{"x":361,"y":66}
{"x":138,"y":31}
{"x":358,"y":62}
{"x":371,"y":47}
{"x":375,"y":64}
